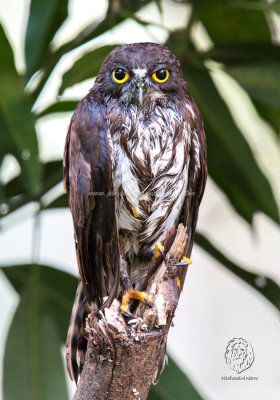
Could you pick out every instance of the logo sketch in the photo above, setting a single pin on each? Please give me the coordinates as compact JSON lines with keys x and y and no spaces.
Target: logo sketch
{"x":239,"y":355}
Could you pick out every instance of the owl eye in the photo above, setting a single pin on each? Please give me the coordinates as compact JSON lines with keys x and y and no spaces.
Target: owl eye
{"x":120,"y":75}
{"x":161,"y":75}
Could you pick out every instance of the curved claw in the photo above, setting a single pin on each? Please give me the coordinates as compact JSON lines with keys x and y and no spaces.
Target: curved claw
{"x":147,"y":301}
{"x":181,"y":264}
{"x":162,"y":253}
{"x":127,"y":313}
{"x":185,"y":261}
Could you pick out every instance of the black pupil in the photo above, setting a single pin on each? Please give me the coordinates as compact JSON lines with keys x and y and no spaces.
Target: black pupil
{"x":161,"y":74}
{"x":119,"y":74}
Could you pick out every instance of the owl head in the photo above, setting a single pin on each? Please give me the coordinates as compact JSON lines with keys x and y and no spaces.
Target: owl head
{"x":141,"y":72}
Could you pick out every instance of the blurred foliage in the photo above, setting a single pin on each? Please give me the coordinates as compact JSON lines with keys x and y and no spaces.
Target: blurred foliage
{"x":17,"y":123}
{"x":243,"y":47}
{"x":42,"y":318}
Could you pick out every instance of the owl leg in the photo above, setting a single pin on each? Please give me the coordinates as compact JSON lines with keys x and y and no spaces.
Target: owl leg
{"x":129,"y":293}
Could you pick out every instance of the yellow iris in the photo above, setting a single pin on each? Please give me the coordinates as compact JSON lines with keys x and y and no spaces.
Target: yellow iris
{"x":161,"y":75}
{"x":120,"y":75}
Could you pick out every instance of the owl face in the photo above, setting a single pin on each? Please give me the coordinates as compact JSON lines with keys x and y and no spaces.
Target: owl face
{"x":139,"y":73}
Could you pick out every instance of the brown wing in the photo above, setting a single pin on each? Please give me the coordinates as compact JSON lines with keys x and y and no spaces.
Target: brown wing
{"x":89,"y":186}
{"x":197,"y":177}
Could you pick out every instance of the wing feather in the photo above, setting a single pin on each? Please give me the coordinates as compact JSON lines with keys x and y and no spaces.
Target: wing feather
{"x":197,"y":176}
{"x":89,"y":186}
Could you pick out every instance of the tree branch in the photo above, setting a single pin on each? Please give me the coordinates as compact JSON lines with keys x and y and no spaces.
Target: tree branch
{"x":123,"y":358}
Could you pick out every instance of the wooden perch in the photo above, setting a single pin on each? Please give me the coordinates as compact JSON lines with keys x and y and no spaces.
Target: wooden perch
{"x":123,"y":357}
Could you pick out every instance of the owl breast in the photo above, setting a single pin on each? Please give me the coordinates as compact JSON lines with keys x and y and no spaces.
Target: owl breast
{"x":150,"y":174}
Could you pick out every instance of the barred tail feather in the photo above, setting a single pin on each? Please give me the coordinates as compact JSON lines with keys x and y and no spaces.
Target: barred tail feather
{"x":75,"y":338}
{"x":162,"y":362}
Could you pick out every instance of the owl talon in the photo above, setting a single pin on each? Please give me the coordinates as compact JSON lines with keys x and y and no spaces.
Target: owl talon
{"x":134,"y":294}
{"x":127,"y":313}
{"x":162,"y":253}
{"x":147,"y":301}
{"x":184,"y":261}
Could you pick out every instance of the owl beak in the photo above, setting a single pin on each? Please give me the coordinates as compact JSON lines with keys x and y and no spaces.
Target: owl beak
{"x":140,"y":88}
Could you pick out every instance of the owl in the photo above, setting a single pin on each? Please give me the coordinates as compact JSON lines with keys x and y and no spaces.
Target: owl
{"x":134,"y":167}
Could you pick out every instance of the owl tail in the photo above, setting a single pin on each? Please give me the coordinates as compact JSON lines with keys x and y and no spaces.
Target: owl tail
{"x":76,"y":344}
{"x":162,"y":362}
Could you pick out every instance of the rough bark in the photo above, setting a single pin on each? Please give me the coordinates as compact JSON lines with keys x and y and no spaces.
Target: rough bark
{"x":123,"y":357}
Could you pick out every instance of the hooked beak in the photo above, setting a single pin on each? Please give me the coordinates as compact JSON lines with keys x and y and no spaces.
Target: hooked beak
{"x":140,"y":87}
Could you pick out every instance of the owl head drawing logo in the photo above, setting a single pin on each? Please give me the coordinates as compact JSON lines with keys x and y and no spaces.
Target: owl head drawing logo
{"x":239,"y":355}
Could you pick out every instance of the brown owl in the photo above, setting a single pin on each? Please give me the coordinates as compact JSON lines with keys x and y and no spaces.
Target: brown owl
{"x":134,"y":167}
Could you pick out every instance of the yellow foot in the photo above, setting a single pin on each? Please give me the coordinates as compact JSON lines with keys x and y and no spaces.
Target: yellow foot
{"x":184,"y":261}
{"x":134,"y":294}
{"x":159,"y":250}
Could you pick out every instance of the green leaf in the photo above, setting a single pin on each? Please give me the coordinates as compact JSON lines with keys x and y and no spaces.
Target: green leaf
{"x":117,"y":12}
{"x":227,"y":24}
{"x":257,"y":5}
{"x":14,"y":192}
{"x":33,"y":351}
{"x":270,"y":290}
{"x":17,"y":129}
{"x":60,"y":106}
{"x":93,"y":30}
{"x":158,"y":393}
{"x":85,"y":67}
{"x":230,"y":160}
{"x":243,"y":53}
{"x":173,"y":384}
{"x":56,"y":288}
{"x":270,"y":114}
{"x":44,"y":20}
{"x":59,"y":202}
{"x":275,"y":6}
{"x":261,"y":81}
